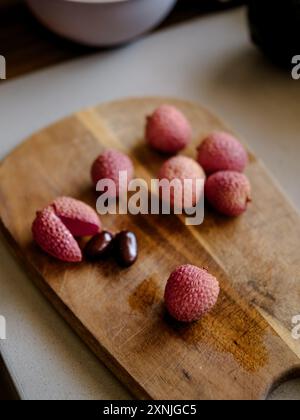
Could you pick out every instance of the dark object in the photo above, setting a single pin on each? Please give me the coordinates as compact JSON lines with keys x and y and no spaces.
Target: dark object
{"x":187,"y":9}
{"x":126,"y":248}
{"x":7,"y":389}
{"x":99,"y":246}
{"x":275,"y":28}
{"x":221,"y":4}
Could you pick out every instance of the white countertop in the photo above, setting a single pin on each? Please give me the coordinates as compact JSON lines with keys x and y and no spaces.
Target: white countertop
{"x":209,"y":60}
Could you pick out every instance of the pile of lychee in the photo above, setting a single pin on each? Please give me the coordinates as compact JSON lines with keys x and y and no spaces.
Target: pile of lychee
{"x":221,"y":159}
{"x":220,"y":162}
{"x":220,"y":156}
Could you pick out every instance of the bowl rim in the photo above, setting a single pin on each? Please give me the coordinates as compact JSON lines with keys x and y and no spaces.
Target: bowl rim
{"x":96,"y":1}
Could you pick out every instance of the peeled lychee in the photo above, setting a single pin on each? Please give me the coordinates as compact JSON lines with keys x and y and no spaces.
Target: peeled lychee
{"x":54,"y":238}
{"x":190,"y":293}
{"x":109,"y":165}
{"x":168,"y":130}
{"x":78,"y":217}
{"x":182,"y":169}
{"x":228,"y":192}
{"x":222,"y":152}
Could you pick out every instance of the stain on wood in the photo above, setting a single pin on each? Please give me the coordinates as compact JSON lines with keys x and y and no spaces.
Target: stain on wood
{"x":147,"y":294}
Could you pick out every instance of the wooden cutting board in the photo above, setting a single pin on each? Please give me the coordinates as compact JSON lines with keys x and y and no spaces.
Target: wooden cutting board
{"x":232,"y":353}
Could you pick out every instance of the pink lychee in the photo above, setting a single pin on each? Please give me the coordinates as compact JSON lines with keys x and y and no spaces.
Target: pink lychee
{"x":109,"y":165}
{"x":78,"y":217}
{"x":190,"y":178}
{"x":190,"y":293}
{"x":228,"y":192}
{"x":54,"y":238}
{"x":222,"y":152}
{"x":168,"y":130}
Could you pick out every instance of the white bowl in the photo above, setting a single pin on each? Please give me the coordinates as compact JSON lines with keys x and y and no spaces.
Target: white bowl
{"x":101,"y":22}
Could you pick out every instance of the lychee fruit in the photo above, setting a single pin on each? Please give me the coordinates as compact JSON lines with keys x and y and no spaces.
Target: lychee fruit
{"x":228,"y":192}
{"x":188,"y":175}
{"x":78,"y":217}
{"x":168,"y":130}
{"x":222,"y":152}
{"x":190,"y":293}
{"x":53,"y":236}
{"x":109,"y":165}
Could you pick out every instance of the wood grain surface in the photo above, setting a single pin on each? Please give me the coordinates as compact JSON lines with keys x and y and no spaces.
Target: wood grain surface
{"x":240,"y":350}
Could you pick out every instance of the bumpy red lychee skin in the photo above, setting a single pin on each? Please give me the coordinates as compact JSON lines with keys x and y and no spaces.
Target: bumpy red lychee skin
{"x":183,"y":168}
{"x":190,"y":293}
{"x":228,"y":192}
{"x":54,"y":238}
{"x":108,"y":166}
{"x":168,"y":130}
{"x":222,"y":152}
{"x":78,"y":217}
